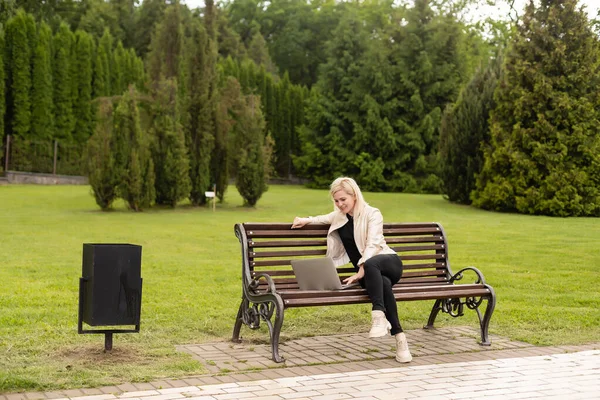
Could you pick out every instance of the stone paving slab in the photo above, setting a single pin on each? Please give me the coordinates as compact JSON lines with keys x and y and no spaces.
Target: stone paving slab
{"x":227,"y":357}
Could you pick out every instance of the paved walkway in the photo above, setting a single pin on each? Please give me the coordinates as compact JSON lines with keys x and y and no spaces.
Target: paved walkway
{"x":447,"y":364}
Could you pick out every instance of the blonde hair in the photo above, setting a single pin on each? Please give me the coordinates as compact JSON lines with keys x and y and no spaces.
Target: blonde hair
{"x":349,"y":186}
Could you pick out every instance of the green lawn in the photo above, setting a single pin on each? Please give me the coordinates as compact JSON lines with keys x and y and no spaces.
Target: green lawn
{"x":545,"y":272}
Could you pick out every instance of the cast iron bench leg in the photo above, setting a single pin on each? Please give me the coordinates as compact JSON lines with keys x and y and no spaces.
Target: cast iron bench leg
{"x":275,"y":330}
{"x":437,"y":306}
{"x":238,"y":322}
{"x":485,"y":322}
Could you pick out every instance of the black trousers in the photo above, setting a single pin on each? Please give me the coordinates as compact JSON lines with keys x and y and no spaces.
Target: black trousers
{"x":381,"y":273}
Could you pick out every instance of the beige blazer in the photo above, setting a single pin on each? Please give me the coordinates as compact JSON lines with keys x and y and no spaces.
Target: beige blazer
{"x":368,"y":234}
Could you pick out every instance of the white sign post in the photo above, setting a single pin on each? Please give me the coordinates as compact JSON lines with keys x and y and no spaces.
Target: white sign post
{"x":212,"y":195}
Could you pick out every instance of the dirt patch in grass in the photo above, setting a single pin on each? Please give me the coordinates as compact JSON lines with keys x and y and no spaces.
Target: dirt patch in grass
{"x":93,"y":354}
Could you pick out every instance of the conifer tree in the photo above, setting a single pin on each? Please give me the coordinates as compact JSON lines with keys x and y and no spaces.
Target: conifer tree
{"x":118,"y":70}
{"x":222,"y":160}
{"x":130,"y":78}
{"x":202,"y":105}
{"x":464,"y":133}
{"x":251,"y":162}
{"x":543,"y":157}
{"x":166,"y":46}
{"x":130,"y":147}
{"x":150,"y":12}
{"x":42,"y":123}
{"x":125,"y":16}
{"x":19,"y":62}
{"x":329,"y":126}
{"x":82,"y":108}
{"x":139,"y":74}
{"x":99,"y":160}
{"x":62,"y":77}
{"x":432,"y":64}
{"x":2,"y":85}
{"x":169,"y":153}
{"x":106,"y":44}
{"x":7,"y":10}
{"x":269,"y":104}
{"x":258,"y":52}
{"x":100,"y":86}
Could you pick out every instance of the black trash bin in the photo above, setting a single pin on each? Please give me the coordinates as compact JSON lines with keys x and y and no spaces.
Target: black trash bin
{"x":110,"y":290}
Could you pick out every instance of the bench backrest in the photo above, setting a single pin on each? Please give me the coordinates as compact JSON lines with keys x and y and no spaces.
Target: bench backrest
{"x":269,"y":248}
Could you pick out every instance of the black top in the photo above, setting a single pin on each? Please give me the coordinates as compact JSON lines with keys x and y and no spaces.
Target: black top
{"x":346,"y":233}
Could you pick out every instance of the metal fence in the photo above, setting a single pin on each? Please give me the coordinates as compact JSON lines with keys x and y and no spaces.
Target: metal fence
{"x":42,"y":156}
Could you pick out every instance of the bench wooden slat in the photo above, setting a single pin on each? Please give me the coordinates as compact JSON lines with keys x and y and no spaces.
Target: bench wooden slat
{"x":290,"y":272}
{"x":407,"y":257}
{"x":300,"y":233}
{"x":288,"y":233}
{"x":363,"y":298}
{"x":321,"y":252}
{"x":407,"y":266}
{"x":433,"y":272}
{"x":410,"y":231}
{"x":447,"y":287}
{"x":288,"y":253}
{"x":272,"y":263}
{"x":412,"y":281}
{"x":414,"y":239}
{"x":438,"y":277}
{"x":282,"y":226}
{"x":261,"y":226}
{"x":349,"y":270}
{"x":287,"y":243}
{"x":291,"y":282}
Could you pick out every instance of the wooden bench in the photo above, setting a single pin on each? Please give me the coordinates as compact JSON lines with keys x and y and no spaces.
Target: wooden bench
{"x":269,"y":285}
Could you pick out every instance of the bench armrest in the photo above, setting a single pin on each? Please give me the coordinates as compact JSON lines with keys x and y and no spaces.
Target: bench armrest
{"x":460,"y":274}
{"x":253,"y":285}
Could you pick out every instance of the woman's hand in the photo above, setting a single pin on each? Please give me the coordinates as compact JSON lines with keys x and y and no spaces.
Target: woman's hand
{"x":299,"y":222}
{"x":356,"y":277}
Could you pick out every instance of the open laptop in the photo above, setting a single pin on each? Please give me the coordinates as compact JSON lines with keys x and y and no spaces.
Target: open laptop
{"x":318,"y":274}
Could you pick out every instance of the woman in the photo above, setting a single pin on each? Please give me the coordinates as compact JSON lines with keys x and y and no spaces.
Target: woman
{"x":356,"y":236}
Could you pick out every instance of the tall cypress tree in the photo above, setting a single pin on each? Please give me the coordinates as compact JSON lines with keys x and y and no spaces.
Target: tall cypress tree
{"x":2,"y":86}
{"x":465,"y":133}
{"x":83,"y":107}
{"x":42,"y":124}
{"x":251,"y":161}
{"x":166,"y":46}
{"x":223,"y":155}
{"x":543,"y":157}
{"x":117,"y":70}
{"x":130,"y":78}
{"x":200,"y":127}
{"x":101,"y":75}
{"x":130,"y":147}
{"x":62,"y":77}
{"x":171,"y":162}
{"x":99,"y":158}
{"x":150,"y":12}
{"x":125,"y":15}
{"x":106,"y":44}
{"x":202,"y":107}
{"x":19,"y":60}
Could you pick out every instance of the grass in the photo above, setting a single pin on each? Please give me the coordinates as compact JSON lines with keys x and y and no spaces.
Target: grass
{"x":544,"y":270}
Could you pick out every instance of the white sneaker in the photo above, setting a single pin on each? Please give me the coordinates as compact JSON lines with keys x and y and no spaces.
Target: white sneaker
{"x":379,"y":324}
{"x":402,"y":353}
